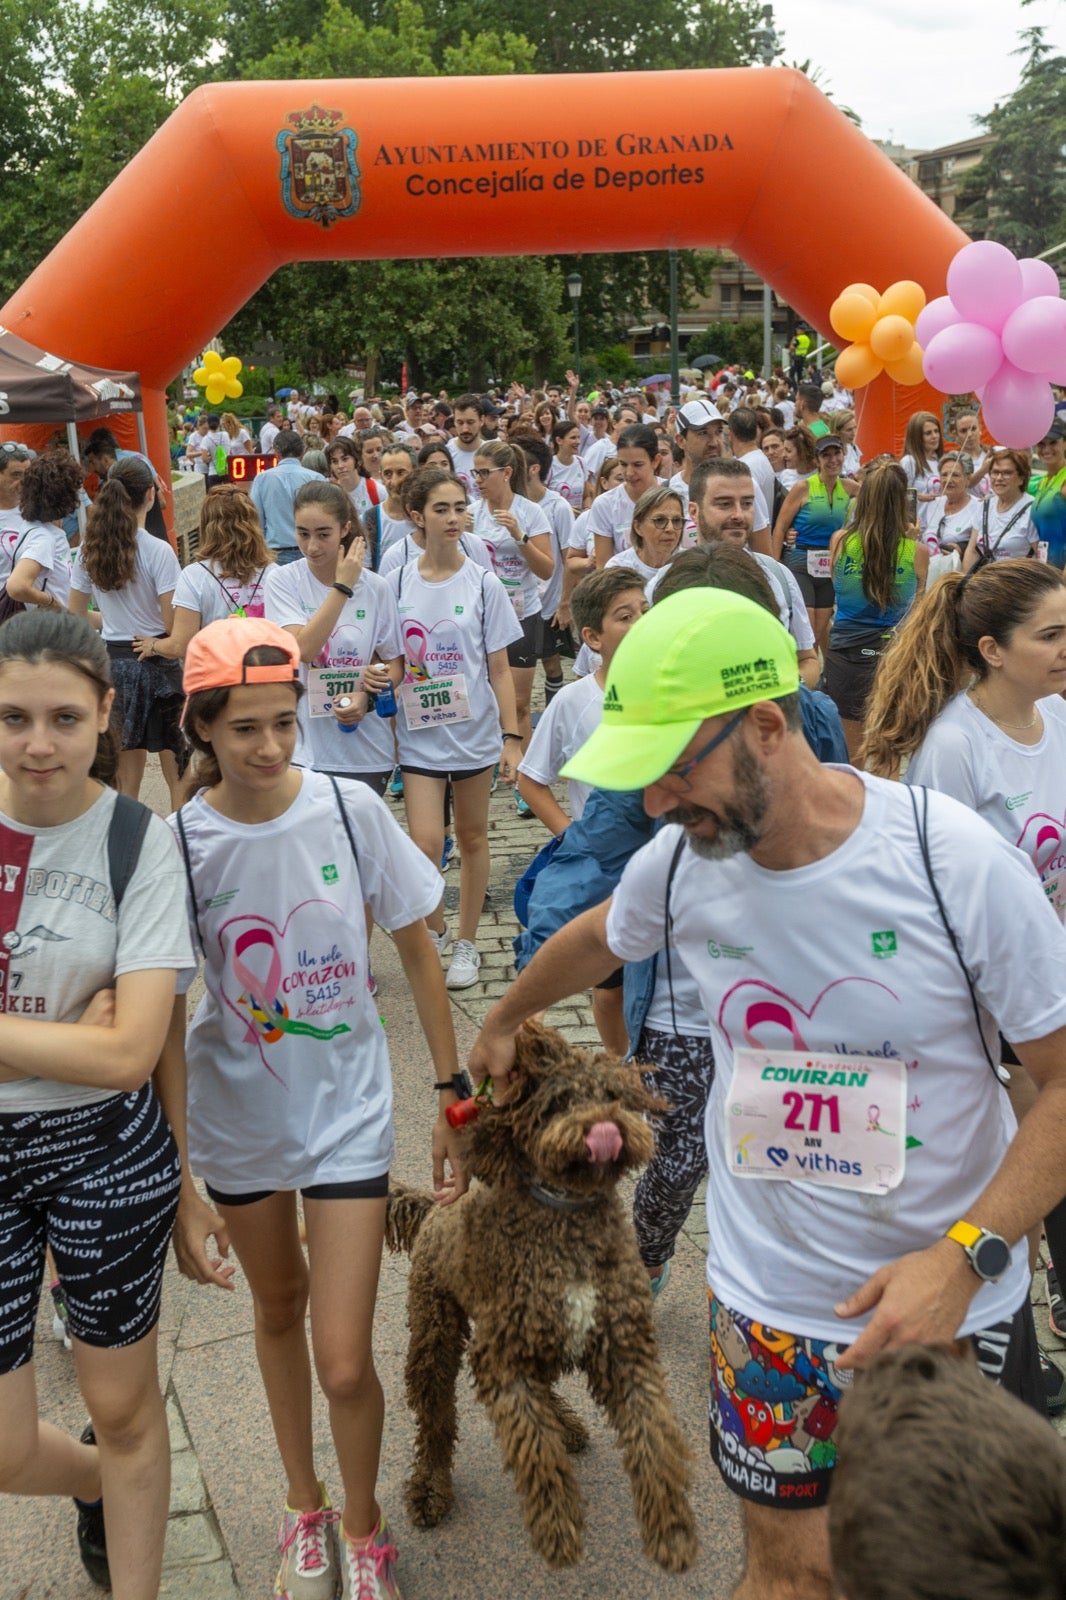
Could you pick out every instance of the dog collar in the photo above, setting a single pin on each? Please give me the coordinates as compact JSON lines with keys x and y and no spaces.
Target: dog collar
{"x":558,"y":1199}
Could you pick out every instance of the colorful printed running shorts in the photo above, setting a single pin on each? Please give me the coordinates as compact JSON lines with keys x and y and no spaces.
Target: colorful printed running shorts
{"x":774,"y":1398}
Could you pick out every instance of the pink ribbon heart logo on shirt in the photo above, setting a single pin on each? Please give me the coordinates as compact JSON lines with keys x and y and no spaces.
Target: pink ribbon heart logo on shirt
{"x":752,"y":1012}
{"x":416,"y":649}
{"x":1041,"y":840}
{"x":257,"y":959}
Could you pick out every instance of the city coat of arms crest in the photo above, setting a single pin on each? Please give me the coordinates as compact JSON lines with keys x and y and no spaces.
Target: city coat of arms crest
{"x":319,"y":173}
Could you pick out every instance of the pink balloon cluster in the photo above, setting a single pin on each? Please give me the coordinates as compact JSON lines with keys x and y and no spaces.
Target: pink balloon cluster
{"x":1001,"y":331}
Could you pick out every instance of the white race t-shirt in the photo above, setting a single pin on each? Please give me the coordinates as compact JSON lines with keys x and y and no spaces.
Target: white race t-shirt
{"x":561,"y":521}
{"x":1019,"y":518}
{"x":203,"y":587}
{"x":948,"y":528}
{"x":508,"y":562}
{"x":367,"y":626}
{"x":611,"y":516}
{"x":630,"y":559}
{"x":581,"y":536}
{"x":463,"y":466}
{"x":450,"y":628}
{"x":267,"y":434}
{"x":1020,"y":789}
{"x":596,"y":454}
{"x":923,"y":477}
{"x":399,"y":554}
{"x":586,"y":662}
{"x":392,"y":532}
{"x":36,"y":541}
{"x":289,"y":1078}
{"x":763,"y":476}
{"x":880,"y":979}
{"x":214,"y":439}
{"x":63,"y":935}
{"x":569,"y":482}
{"x":133,"y":612}
{"x":569,"y":719}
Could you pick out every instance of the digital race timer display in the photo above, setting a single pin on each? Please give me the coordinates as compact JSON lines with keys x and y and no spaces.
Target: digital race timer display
{"x":241,"y":469}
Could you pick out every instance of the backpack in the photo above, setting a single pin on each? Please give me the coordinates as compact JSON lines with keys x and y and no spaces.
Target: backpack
{"x":125,"y":836}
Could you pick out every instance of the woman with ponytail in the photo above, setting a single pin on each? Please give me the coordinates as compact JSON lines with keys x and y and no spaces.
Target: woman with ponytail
{"x":94,"y":933}
{"x":877,"y":570}
{"x":971,"y":689}
{"x":228,"y":578}
{"x":131,"y":578}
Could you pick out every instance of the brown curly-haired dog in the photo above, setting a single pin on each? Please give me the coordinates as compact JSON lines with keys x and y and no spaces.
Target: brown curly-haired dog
{"x":535,"y":1272}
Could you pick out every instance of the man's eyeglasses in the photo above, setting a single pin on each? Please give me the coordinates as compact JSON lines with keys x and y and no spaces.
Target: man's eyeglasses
{"x":682,"y":774}
{"x":17,"y":452}
{"x":480,"y":473}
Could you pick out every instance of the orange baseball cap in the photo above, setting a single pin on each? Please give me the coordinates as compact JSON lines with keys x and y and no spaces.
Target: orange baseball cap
{"x":217,"y":657}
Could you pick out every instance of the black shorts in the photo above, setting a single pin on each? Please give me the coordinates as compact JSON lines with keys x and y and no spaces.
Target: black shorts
{"x":615,"y":981}
{"x":456,"y":775}
{"x":849,"y":676}
{"x":358,"y":1189}
{"x":817,"y":593}
{"x":526,"y":652}
{"x":556,"y":641}
{"x":99,"y":1183}
{"x":378,"y":781}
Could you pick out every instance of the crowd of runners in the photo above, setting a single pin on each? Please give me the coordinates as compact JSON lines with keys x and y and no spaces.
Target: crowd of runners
{"x":845,"y":986}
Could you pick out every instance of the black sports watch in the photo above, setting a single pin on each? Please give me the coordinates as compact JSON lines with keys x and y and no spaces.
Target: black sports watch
{"x":460,"y":1083}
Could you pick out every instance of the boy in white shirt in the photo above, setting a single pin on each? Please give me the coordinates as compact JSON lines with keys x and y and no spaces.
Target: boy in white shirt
{"x":605,"y":606}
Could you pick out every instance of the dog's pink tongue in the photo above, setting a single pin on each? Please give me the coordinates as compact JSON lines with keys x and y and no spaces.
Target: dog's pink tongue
{"x":604,"y":1141}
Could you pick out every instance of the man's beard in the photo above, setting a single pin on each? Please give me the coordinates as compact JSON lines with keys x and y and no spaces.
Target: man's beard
{"x":739,"y":825}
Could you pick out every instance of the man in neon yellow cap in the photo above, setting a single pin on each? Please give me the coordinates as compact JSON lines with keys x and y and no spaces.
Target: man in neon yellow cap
{"x":867,"y":1184}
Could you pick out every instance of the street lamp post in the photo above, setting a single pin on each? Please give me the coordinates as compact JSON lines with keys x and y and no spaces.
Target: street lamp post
{"x":573,"y":289}
{"x":768,"y":46}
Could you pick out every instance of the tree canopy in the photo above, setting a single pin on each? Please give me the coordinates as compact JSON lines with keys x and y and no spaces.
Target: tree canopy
{"x":87,"y":82}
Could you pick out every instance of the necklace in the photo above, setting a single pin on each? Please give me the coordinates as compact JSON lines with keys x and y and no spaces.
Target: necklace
{"x":1017,"y":727}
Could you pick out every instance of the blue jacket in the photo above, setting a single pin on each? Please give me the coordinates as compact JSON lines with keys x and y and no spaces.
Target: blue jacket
{"x":592,"y":854}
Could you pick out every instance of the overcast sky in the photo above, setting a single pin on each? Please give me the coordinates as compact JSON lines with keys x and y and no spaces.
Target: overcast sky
{"x":915,"y":70}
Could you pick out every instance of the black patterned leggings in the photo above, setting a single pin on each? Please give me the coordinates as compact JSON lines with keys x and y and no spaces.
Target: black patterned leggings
{"x":684,"y":1070}
{"x":99,"y":1183}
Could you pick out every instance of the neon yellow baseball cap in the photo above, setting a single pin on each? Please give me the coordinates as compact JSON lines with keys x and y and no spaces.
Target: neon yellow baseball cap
{"x":700,"y":653}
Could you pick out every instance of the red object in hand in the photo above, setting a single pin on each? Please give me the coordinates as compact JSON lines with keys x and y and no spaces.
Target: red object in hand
{"x":462,"y":1112}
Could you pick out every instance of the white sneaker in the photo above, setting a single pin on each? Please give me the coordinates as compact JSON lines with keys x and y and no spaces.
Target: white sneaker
{"x":307,"y":1545}
{"x":465,"y":967}
{"x":441,"y":941}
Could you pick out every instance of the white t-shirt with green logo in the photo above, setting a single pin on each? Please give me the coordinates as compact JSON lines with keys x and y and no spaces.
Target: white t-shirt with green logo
{"x":367,"y":626}
{"x":289,"y":1076}
{"x":847,"y":957}
{"x":1019,"y":788}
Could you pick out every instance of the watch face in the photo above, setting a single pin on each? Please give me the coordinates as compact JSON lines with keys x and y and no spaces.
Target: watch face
{"x":991,"y":1256}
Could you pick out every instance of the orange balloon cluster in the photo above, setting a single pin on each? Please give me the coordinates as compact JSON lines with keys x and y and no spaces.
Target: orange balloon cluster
{"x":881,"y":327}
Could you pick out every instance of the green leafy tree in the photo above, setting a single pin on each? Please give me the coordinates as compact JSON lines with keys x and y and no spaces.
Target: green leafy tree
{"x":1017,"y":192}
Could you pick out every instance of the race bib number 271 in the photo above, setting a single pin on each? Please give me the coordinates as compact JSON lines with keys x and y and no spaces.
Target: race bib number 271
{"x":836,"y":1121}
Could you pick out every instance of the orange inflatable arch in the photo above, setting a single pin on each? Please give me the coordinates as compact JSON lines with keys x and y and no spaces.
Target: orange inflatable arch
{"x":245,"y":177}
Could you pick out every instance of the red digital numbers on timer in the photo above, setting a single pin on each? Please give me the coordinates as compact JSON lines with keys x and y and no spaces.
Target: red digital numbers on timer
{"x":241,"y":468}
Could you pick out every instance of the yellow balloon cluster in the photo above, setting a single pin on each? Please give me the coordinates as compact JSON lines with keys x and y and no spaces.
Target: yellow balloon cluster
{"x":882,"y":328}
{"x":218,"y":379}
